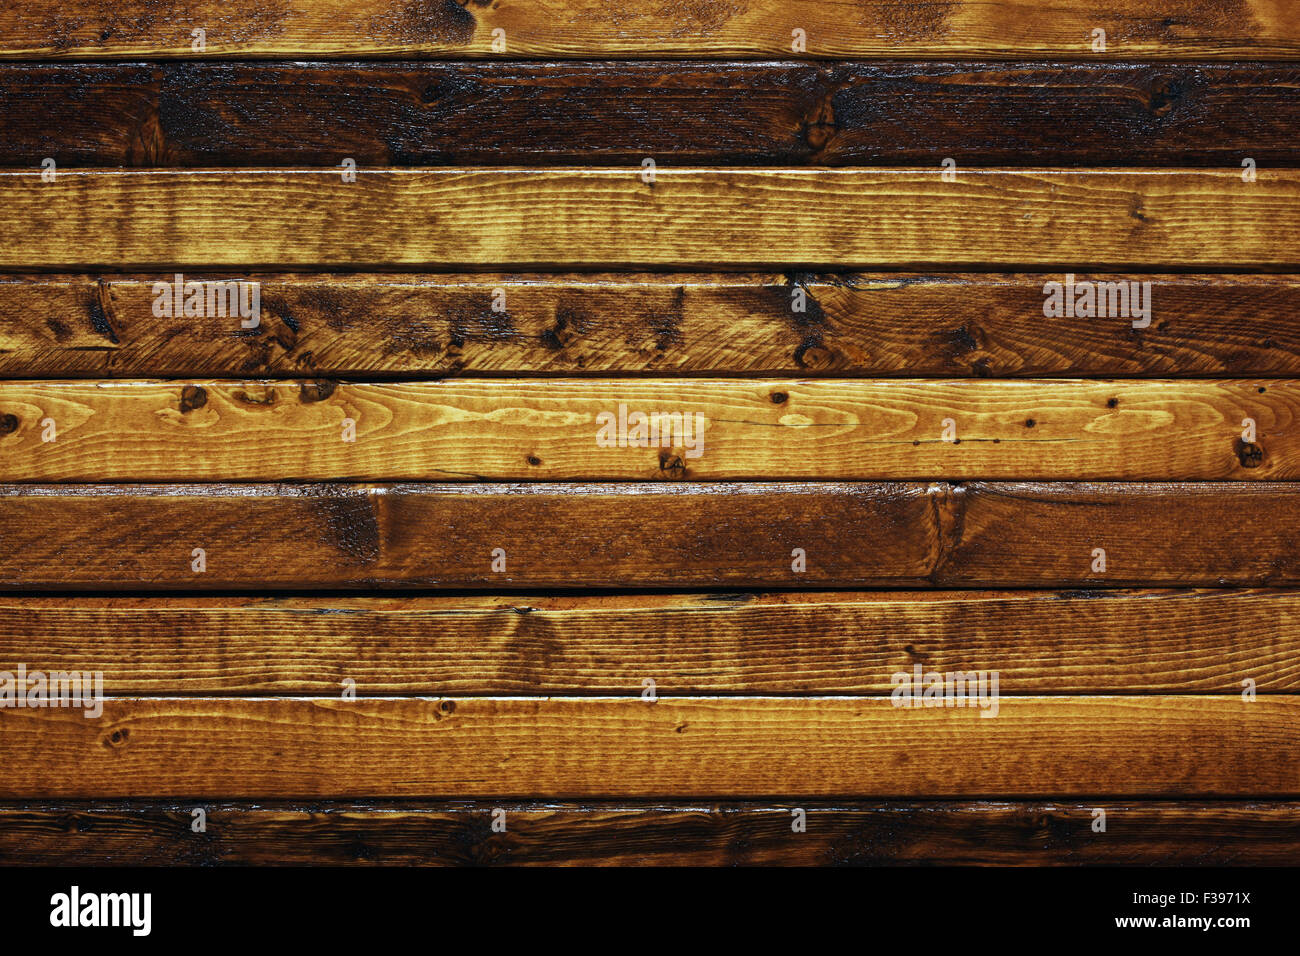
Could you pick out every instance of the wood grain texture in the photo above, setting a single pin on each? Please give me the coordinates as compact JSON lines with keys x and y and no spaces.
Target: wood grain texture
{"x":332,"y":535}
{"x":408,"y":326}
{"x":559,"y":429}
{"x":989,"y":534}
{"x":576,"y":28}
{"x":1024,"y":532}
{"x":594,"y":217}
{"x":626,"y":747}
{"x":985,"y":833}
{"x":1041,"y":642}
{"x":427,"y":114}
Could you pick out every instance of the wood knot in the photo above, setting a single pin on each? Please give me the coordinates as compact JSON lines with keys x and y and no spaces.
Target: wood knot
{"x":1249,"y":454}
{"x":820,"y":128}
{"x":1165,"y":94}
{"x":672,"y":464}
{"x":318,"y":391}
{"x":192,"y":397}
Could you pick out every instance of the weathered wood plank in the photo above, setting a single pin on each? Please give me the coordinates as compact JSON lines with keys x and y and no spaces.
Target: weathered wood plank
{"x":1041,"y":642}
{"x":266,"y":537}
{"x":593,"y":217}
{"x":408,"y":326}
{"x":305,"y":536}
{"x":1023,"y":532}
{"x":577,"y":28}
{"x":427,"y":114}
{"x":1148,"y":833}
{"x":561,"y":429}
{"x":740,"y":747}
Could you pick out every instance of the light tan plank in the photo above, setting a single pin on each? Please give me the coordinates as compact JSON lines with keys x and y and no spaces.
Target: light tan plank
{"x":509,"y":218}
{"x":586,"y":429}
{"x":633,"y":28}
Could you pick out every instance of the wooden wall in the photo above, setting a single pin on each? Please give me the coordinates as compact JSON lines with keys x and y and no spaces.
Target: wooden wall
{"x":982,"y":335}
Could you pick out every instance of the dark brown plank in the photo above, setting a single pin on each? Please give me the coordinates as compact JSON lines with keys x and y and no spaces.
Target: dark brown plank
{"x":1041,"y":642}
{"x":262,"y":537}
{"x":1255,"y":833}
{"x":639,"y":28}
{"x":425,"y":114}
{"x":411,"y":326}
{"x":628,"y":747}
{"x":1030,"y":533}
{"x":290,"y":536}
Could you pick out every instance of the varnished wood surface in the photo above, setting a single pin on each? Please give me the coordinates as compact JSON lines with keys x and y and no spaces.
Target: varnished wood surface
{"x":560,"y":429}
{"x":782,"y":113}
{"x":985,"y":833}
{"x":629,"y":748}
{"x":883,"y":324}
{"x":1041,"y":642}
{"x":334,"y":535}
{"x":685,"y":535}
{"x":611,"y":217}
{"x":486,"y":290}
{"x":577,"y":28}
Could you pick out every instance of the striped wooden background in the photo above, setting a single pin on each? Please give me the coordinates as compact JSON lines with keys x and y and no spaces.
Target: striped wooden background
{"x":365,"y":586}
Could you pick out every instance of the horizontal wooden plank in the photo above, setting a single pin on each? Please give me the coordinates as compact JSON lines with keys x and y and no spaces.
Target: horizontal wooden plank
{"x":1040,"y":642}
{"x":1147,"y":833}
{"x":627,"y":747}
{"x":593,"y":217}
{"x":559,"y":429}
{"x":428,"y":114}
{"x":1025,"y":534}
{"x":305,"y":536}
{"x":576,"y":28}
{"x":406,"y":326}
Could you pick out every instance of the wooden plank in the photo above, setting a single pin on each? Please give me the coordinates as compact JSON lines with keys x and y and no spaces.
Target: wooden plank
{"x":320,"y":536}
{"x":785,"y":113}
{"x":990,"y":534}
{"x":1020,"y":533}
{"x":625,"y":747}
{"x":1041,"y":642}
{"x":408,"y":326}
{"x":559,"y":429}
{"x":1150,"y":833}
{"x":593,"y":217}
{"x":82,"y":29}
